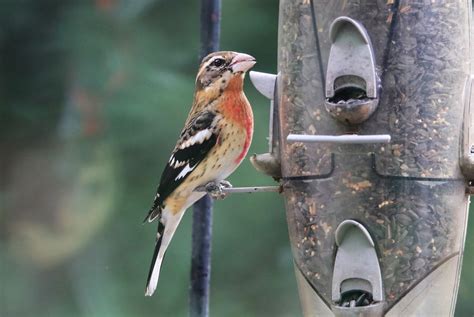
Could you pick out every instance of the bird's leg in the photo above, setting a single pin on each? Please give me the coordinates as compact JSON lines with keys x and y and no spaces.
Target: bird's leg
{"x":216,"y":189}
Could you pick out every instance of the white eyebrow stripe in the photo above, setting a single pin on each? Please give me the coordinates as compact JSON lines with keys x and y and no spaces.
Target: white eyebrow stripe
{"x":213,"y":59}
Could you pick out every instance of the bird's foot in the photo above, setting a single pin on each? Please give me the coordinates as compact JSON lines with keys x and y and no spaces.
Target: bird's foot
{"x":216,"y":189}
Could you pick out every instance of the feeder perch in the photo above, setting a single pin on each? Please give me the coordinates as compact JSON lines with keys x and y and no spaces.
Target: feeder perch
{"x":268,"y":163}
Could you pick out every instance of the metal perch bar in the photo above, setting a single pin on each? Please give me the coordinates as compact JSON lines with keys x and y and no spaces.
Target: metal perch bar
{"x":246,"y":190}
{"x":346,"y":138}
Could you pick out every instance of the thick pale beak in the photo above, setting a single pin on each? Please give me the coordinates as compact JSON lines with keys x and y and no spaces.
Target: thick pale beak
{"x":242,"y":62}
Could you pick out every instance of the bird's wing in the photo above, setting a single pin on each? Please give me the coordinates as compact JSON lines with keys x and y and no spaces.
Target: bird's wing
{"x":196,"y":140}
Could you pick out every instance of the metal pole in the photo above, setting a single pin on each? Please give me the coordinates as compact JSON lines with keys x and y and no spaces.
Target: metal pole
{"x":202,"y":210}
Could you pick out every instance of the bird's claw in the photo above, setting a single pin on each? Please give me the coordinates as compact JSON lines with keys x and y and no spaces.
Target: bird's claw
{"x":225,"y":184}
{"x":216,"y":189}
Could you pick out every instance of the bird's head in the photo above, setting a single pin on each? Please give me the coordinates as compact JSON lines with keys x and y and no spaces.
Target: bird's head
{"x":222,"y":70}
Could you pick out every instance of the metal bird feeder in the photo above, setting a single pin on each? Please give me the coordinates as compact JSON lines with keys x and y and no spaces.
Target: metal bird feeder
{"x":375,"y":136}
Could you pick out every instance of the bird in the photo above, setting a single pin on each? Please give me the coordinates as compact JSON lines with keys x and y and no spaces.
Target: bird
{"x":215,"y":139}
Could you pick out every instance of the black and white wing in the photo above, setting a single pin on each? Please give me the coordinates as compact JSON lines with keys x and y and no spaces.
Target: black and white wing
{"x":196,"y":140}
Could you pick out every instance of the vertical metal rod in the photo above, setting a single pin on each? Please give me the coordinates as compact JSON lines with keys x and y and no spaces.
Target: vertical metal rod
{"x":318,"y":47}
{"x":202,"y":209}
{"x":201,"y":258}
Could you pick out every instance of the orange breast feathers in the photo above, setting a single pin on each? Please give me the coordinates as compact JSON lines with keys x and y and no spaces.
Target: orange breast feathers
{"x":236,"y":109}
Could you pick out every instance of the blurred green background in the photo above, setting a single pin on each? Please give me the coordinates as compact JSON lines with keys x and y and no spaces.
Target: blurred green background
{"x":93,"y":94}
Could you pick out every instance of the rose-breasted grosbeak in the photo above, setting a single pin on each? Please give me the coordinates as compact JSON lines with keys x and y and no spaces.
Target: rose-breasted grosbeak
{"x":215,"y":139}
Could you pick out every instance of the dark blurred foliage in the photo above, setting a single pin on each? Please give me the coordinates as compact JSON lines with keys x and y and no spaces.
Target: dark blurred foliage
{"x":93,"y":94}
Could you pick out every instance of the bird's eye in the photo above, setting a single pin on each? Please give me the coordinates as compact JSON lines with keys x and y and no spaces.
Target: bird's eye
{"x":218,"y":62}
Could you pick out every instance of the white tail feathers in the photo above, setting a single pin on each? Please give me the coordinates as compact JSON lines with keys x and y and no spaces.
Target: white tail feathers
{"x":166,"y":229}
{"x":155,"y":271}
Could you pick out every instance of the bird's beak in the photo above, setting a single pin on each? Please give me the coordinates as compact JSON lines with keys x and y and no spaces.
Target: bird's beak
{"x":242,"y":62}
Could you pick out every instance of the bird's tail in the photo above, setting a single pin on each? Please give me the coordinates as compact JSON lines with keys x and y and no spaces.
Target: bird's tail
{"x":154,"y":271}
{"x":166,"y":228}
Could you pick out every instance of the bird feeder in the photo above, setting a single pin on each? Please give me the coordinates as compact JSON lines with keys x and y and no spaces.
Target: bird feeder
{"x":373,"y":103}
